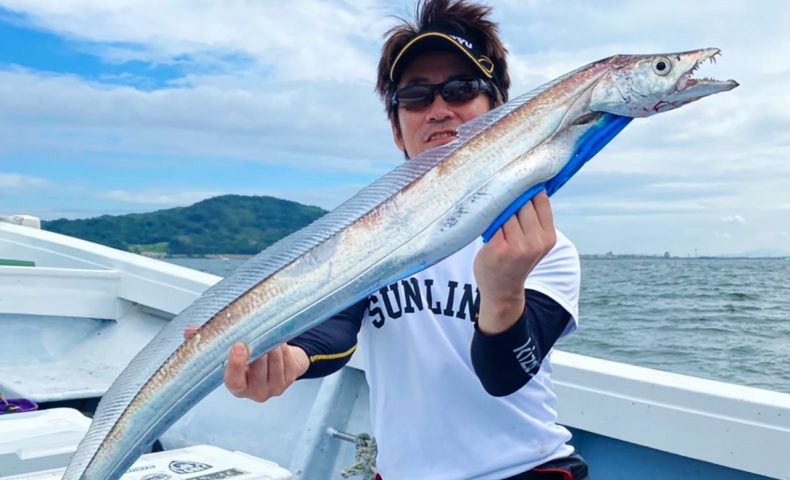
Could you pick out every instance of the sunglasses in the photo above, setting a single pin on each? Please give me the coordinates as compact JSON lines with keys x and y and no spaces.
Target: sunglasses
{"x":457,"y":90}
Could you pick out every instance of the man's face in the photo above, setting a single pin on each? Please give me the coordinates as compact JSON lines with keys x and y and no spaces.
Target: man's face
{"x":436,"y":124}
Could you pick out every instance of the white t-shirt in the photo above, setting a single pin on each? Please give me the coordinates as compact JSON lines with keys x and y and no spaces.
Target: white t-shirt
{"x":432,"y":418}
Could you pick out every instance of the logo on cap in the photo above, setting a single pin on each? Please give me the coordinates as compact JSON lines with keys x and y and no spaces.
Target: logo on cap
{"x":466,"y":43}
{"x":482,"y":62}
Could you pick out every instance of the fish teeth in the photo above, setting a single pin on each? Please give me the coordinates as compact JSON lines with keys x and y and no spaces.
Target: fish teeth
{"x":689,"y":76}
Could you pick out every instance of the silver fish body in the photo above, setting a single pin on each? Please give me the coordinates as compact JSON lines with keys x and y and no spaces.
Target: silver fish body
{"x":413,"y":217}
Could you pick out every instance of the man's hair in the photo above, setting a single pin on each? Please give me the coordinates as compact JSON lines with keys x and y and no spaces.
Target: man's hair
{"x":461,"y":17}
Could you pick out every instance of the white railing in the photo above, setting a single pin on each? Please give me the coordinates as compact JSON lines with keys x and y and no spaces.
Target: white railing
{"x":163,"y":286}
{"x":739,"y":427}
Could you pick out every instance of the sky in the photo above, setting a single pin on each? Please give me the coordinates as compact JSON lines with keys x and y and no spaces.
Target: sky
{"x":112,"y":107}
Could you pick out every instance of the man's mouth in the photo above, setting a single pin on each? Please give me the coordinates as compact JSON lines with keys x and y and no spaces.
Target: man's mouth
{"x":442,"y":134}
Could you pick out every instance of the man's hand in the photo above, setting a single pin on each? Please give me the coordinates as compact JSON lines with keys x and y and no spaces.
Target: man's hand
{"x":266,"y":377}
{"x":502,"y":265}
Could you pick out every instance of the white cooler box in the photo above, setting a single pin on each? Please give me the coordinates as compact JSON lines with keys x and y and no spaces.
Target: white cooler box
{"x":38,"y":445}
{"x":39,"y":440}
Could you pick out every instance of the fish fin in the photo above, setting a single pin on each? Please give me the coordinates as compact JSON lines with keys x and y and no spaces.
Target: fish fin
{"x":479,"y":124}
{"x":293,"y":246}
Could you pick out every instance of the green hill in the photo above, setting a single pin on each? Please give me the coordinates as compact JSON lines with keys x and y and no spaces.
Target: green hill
{"x":229,"y":224}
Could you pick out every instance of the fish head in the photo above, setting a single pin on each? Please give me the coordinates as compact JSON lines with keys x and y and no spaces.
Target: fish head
{"x":643,"y":85}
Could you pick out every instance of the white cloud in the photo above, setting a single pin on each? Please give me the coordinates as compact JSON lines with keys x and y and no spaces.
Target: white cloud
{"x":734,"y":219}
{"x":290,"y":84}
{"x":300,"y":40}
{"x":155,"y":198}
{"x":299,"y":126}
{"x":271,"y":104}
{"x":326,"y":198}
{"x":613,"y":208}
{"x":724,"y":235}
{"x":17,"y":181}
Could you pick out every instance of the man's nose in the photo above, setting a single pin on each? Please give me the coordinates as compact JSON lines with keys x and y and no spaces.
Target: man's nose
{"x":439,"y":109}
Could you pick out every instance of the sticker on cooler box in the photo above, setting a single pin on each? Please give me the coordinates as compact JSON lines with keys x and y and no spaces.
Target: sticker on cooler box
{"x":231,"y":472}
{"x":141,"y":468}
{"x":183,"y":468}
{"x":157,"y":476}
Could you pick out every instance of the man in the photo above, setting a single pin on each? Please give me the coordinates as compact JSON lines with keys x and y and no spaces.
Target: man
{"x":457,"y":356}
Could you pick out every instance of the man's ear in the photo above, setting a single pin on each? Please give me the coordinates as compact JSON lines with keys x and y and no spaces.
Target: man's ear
{"x":396,"y":134}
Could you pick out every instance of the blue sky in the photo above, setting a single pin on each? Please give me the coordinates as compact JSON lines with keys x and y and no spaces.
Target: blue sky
{"x":133,"y":106}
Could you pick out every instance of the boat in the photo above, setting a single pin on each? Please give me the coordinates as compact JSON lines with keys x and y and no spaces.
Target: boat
{"x":73,"y":313}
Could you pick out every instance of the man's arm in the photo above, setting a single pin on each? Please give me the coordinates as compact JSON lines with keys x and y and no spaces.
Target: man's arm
{"x":506,"y":361}
{"x":317,"y":352}
{"x":329,"y":346}
{"x":516,"y":329}
{"x":501,"y":267}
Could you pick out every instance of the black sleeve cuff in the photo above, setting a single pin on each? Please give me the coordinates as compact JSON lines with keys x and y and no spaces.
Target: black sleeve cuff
{"x":330,"y":344}
{"x":505,"y":362}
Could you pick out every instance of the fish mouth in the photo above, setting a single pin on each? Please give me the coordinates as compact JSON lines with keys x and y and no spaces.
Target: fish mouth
{"x":706,"y":86}
{"x":688,"y":89}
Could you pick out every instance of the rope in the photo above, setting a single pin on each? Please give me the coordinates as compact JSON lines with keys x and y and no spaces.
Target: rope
{"x":365,"y":455}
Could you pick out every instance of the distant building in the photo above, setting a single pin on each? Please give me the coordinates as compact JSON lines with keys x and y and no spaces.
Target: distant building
{"x":666,"y":255}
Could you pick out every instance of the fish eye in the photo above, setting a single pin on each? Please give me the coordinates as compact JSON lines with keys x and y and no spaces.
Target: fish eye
{"x":662,"y":66}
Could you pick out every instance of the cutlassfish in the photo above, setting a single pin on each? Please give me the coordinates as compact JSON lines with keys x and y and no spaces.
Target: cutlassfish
{"x":414,"y":216}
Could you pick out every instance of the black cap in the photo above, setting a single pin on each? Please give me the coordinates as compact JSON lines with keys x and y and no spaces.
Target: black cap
{"x":437,"y":40}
